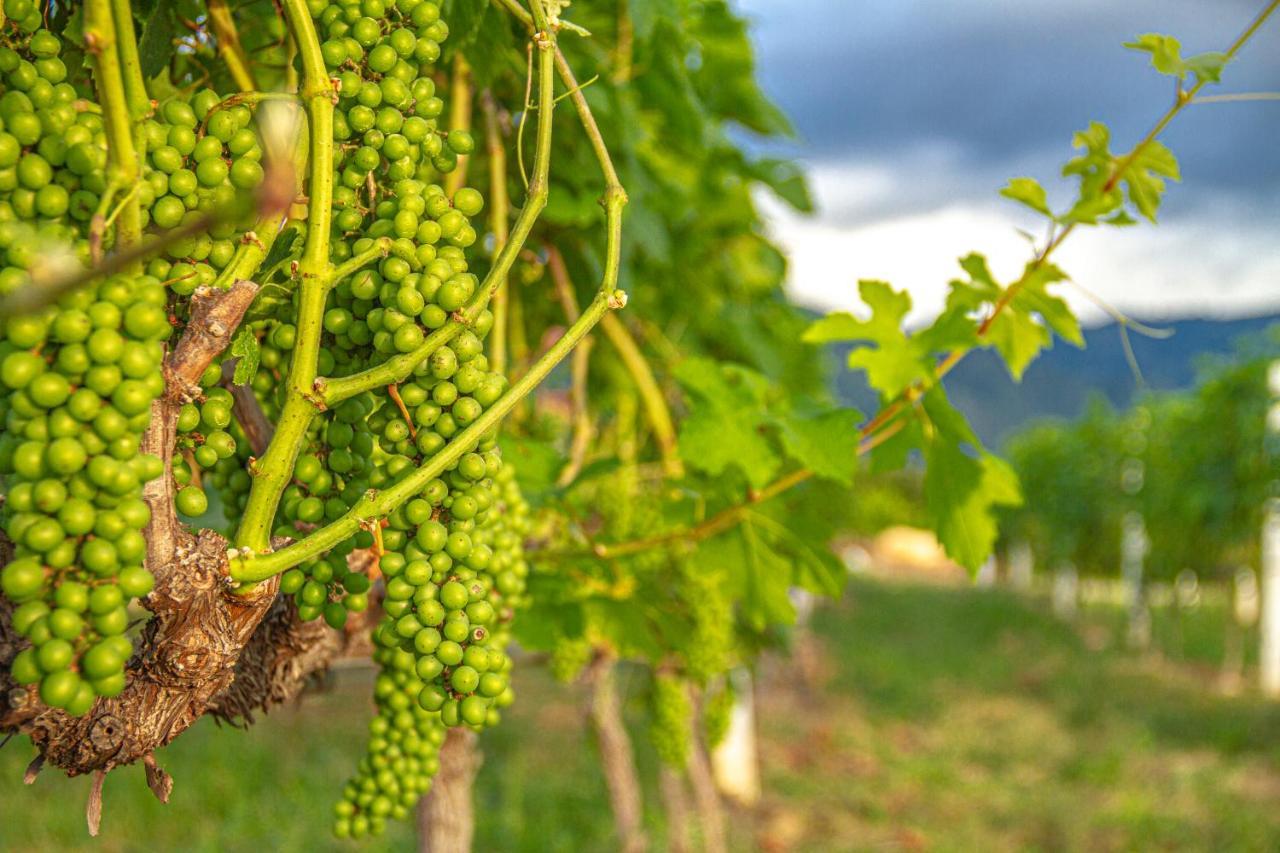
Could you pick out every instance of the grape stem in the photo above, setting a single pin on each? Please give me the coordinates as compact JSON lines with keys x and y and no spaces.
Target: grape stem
{"x":273,"y":471}
{"x":331,"y":391}
{"x":104,"y":45}
{"x":459,"y":118}
{"x":583,"y":427}
{"x":499,"y":211}
{"x":228,"y":38}
{"x":253,"y":568}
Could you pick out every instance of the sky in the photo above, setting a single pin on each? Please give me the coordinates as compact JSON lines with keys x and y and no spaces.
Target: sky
{"x":911,"y":114}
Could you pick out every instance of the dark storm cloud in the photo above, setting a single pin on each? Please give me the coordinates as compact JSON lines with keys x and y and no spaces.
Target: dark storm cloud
{"x":1008,"y":82}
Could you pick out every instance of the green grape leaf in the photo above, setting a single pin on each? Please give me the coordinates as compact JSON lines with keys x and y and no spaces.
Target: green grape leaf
{"x":1165,"y":51}
{"x":1022,"y":327}
{"x":757,"y":577}
{"x":286,"y":247}
{"x":1167,"y":59}
{"x":826,"y":443}
{"x":786,"y":180}
{"x":156,"y":45}
{"x":726,"y":426}
{"x":537,"y":463}
{"x":1035,"y":297}
{"x":1093,"y":168}
{"x":244,"y":346}
{"x":1144,"y":176}
{"x":897,"y":359}
{"x":1208,"y":66}
{"x":1029,"y":192}
{"x":962,"y":492}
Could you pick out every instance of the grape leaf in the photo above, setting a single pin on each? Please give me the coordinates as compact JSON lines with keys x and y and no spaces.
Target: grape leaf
{"x":1143,"y":177}
{"x":1029,"y":192}
{"x":1167,"y":59}
{"x":786,"y":180}
{"x":962,"y":492}
{"x":725,"y":428}
{"x":897,"y":360}
{"x":1022,"y":327}
{"x":156,"y":45}
{"x":756,"y":576}
{"x":246,"y":349}
{"x":826,"y":444}
{"x":1165,"y":51}
{"x":537,"y":463}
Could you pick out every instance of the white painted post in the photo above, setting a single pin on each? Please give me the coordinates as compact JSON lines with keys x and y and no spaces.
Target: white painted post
{"x":1133,"y":546}
{"x":736,"y":760}
{"x":1021,"y":566}
{"x":986,"y":577}
{"x":1269,"y":630}
{"x":1245,"y":607}
{"x":1066,"y":591}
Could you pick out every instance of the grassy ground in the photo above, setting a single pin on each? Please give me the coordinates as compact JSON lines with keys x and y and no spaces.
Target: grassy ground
{"x":918,"y":718}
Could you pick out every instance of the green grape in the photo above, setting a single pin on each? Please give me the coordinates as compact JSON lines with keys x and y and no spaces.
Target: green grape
{"x":671,"y":715}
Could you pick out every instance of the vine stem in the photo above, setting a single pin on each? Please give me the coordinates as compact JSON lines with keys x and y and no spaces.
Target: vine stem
{"x":579,"y":371}
{"x":499,"y":211}
{"x":459,"y":119}
{"x":272,"y":472}
{"x":331,"y":391}
{"x":103,"y":43}
{"x":885,"y":424}
{"x":229,"y":45}
{"x":253,"y":568}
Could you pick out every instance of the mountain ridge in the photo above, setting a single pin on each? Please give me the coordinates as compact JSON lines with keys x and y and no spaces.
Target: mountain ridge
{"x":1062,"y":381}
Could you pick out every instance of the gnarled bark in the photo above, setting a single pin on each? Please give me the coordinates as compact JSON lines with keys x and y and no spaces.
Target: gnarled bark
{"x":204,"y":635}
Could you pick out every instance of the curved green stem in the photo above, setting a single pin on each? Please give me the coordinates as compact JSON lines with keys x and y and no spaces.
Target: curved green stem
{"x":104,"y":46}
{"x":273,"y":471}
{"x":224,"y":29}
{"x":332,"y":391}
{"x":253,"y":568}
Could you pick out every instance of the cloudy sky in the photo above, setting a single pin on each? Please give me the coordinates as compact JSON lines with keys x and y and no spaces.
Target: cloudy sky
{"x":911,"y":114}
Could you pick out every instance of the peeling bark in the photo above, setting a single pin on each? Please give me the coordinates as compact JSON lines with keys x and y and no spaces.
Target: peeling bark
{"x":203,"y":634}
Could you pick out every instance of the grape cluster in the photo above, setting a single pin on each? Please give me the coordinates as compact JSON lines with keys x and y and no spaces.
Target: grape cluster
{"x":52,"y":152}
{"x":450,"y":597}
{"x":402,"y":753}
{"x":79,"y":380}
{"x":670,"y":722}
{"x":198,"y":154}
{"x":717,"y":714}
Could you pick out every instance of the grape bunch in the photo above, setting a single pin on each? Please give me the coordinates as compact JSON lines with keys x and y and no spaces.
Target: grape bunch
{"x":79,"y":380}
{"x":671,"y":716}
{"x":402,"y":753}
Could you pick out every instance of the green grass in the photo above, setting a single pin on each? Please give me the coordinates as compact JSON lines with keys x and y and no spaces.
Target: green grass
{"x":932,"y":718}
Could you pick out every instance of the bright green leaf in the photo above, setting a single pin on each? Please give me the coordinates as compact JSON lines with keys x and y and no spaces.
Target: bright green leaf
{"x":1029,"y":192}
{"x":962,"y":493}
{"x":826,"y":444}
